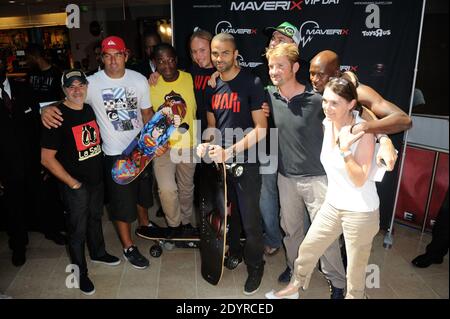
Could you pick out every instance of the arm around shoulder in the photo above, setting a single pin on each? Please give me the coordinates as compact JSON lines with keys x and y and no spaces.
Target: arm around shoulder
{"x":391,"y":119}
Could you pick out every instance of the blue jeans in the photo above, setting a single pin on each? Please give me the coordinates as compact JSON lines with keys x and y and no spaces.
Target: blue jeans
{"x":270,"y":210}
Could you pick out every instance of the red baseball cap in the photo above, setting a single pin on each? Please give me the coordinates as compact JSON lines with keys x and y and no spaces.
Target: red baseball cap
{"x":113,"y":42}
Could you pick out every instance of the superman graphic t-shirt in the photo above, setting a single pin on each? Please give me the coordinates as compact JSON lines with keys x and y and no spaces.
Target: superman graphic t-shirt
{"x":232,"y":103}
{"x":78,"y":145}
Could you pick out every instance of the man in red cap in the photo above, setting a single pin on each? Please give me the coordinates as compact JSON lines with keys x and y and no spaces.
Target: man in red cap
{"x":121,"y":102}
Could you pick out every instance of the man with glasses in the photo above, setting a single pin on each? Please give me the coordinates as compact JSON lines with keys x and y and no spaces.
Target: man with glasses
{"x":283,"y":33}
{"x":121,"y":102}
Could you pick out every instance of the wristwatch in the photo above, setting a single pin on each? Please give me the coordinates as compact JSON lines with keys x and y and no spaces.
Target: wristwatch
{"x":345,"y":154}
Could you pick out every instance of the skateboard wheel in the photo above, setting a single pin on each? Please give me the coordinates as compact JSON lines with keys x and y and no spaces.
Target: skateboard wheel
{"x":231,"y":262}
{"x":155,"y":251}
{"x":238,"y":170}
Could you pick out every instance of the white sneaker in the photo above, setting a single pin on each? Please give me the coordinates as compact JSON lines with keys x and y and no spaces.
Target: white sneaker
{"x":271,"y":295}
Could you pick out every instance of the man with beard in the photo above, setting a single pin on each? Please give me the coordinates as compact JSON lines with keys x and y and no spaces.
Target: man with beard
{"x":235,"y":103}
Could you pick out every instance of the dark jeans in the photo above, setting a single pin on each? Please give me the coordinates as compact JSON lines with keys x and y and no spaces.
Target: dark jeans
{"x":244,"y":191}
{"x":84,"y":208}
{"x":16,"y":220}
{"x":50,"y":217}
{"x":438,"y":247}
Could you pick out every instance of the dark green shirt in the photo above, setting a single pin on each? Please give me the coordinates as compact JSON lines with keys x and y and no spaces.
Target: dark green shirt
{"x":300,"y":132}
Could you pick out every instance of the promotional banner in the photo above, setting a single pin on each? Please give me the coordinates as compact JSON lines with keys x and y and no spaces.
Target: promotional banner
{"x":378,"y":40}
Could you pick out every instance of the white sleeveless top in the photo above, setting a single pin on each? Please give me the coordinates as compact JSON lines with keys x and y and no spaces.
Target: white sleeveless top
{"x":342,"y":193}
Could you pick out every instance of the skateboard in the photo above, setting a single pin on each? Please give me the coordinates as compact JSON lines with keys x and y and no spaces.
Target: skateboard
{"x":159,"y":236}
{"x":155,"y":133}
{"x":213,"y":216}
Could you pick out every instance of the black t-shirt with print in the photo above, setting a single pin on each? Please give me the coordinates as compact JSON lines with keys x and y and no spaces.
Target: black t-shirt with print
{"x":201,"y":77}
{"x":46,"y":85}
{"x":232,"y":103}
{"x":78,"y":144}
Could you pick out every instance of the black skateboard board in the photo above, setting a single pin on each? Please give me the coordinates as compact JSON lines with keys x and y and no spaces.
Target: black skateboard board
{"x":213,"y":216}
{"x":160,"y":236}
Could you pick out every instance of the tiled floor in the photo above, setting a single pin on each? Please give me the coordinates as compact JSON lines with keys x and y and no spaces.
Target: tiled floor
{"x":176,"y":274}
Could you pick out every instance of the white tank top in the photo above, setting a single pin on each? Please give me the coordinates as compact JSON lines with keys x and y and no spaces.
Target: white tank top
{"x":342,"y":193}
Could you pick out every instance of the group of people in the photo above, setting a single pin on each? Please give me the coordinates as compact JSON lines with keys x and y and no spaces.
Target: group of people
{"x":327,"y":131}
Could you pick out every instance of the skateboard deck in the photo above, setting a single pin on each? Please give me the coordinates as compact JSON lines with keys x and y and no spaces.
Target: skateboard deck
{"x":213,"y":229}
{"x":155,"y":133}
{"x":161,"y":233}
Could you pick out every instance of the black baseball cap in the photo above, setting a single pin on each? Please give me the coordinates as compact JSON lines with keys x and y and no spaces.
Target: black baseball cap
{"x":71,"y":75}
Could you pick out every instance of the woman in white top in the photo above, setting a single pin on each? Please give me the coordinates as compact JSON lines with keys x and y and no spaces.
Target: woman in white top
{"x":351,"y":204}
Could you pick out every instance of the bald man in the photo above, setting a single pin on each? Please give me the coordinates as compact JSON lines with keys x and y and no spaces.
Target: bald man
{"x":390,"y":118}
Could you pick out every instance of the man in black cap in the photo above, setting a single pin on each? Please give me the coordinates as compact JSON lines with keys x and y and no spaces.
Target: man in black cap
{"x":73,"y":153}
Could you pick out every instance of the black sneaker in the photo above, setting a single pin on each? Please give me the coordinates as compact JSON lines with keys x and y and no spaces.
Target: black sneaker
{"x":174,"y":232}
{"x":107,"y":259}
{"x":253,"y":280}
{"x":146,"y":231}
{"x":57,"y":237}
{"x":335,"y":293}
{"x":86,"y":286}
{"x":285,"y":276}
{"x":232,"y":261}
{"x":133,"y":255}
{"x":426,"y":260}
